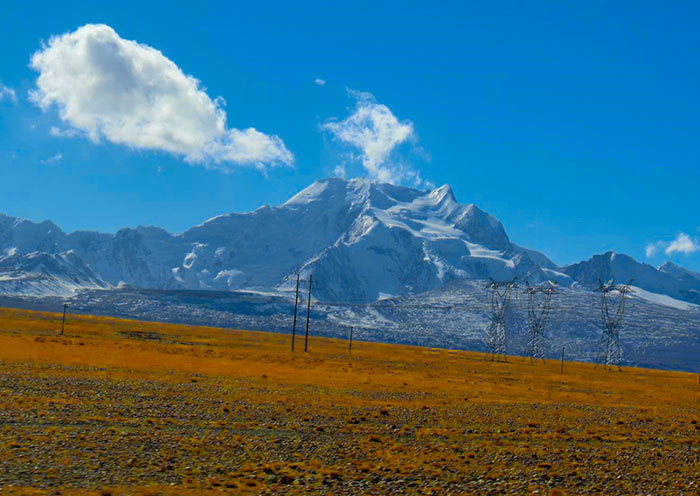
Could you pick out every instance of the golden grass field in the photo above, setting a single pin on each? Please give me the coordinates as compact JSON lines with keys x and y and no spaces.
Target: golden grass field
{"x":124,"y":407}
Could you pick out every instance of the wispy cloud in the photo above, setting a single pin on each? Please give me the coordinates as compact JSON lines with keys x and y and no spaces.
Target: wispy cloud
{"x":63,"y":133}
{"x":7,"y":93}
{"x":651,"y":249}
{"x":376,"y":132}
{"x":340,"y":171}
{"x":131,"y":94}
{"x":320,"y":82}
{"x":53,"y":160}
{"x":683,"y":244}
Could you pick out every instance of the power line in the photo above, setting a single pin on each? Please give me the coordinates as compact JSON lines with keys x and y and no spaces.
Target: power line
{"x":475,"y":306}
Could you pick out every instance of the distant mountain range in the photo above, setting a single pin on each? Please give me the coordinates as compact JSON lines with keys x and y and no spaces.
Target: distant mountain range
{"x":362,"y":241}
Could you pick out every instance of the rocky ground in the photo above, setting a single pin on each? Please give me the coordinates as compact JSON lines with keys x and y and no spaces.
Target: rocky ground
{"x":120,"y":407}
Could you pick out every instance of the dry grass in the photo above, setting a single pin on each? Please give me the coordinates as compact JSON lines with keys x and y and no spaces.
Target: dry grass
{"x":124,"y":407}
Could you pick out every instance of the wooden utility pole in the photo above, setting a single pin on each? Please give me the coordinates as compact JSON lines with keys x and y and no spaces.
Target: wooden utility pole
{"x":561,"y":371}
{"x":63,"y":324}
{"x":296,"y":302}
{"x":308,"y":314}
{"x":350,"y":345}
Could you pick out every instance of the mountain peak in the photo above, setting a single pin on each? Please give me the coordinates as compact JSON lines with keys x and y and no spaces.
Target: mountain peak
{"x":668,"y":266}
{"x":360,"y":237}
{"x":311,"y":193}
{"x":444,"y":192}
{"x":327,"y":189}
{"x":678,"y":271}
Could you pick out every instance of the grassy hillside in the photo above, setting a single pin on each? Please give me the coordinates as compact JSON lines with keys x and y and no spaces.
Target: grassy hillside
{"x":126,"y":407}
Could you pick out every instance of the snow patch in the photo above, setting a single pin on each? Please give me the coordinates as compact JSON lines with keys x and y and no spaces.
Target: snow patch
{"x":664,"y":300}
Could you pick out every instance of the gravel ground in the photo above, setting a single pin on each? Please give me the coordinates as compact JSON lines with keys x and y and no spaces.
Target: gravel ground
{"x":378,"y":422}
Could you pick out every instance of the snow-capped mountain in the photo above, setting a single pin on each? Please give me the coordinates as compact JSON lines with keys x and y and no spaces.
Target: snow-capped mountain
{"x":362,"y":241}
{"x":398,"y":241}
{"x":670,"y":279}
{"x":46,"y":274}
{"x":688,"y":276}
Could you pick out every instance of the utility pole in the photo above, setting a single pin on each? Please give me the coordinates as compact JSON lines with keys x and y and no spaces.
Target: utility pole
{"x":308,"y":314}
{"x":296,"y":303}
{"x":350,"y":345}
{"x":561,"y":371}
{"x":63,"y":324}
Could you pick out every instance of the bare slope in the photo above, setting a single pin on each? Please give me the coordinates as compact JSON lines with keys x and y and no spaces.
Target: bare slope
{"x":125,"y":407}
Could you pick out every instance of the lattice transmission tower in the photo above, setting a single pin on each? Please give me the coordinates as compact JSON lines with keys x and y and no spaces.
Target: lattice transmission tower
{"x":610,"y":352}
{"x":537,"y":318}
{"x":496,"y":335}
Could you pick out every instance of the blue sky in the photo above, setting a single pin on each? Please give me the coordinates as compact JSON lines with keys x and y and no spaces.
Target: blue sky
{"x":575,"y":124}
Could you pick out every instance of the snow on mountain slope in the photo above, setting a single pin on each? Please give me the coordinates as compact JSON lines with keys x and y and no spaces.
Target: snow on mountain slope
{"x":260,"y":248}
{"x":661,"y":299}
{"x":681,"y":273}
{"x":42,"y":274}
{"x":26,"y":237}
{"x":360,"y":240}
{"x":623,"y":269}
{"x":657,"y":331}
{"x":405,"y":242}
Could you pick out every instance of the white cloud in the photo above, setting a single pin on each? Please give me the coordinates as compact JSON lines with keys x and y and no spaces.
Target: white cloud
{"x":53,"y":160}
{"x":376,"y":132}
{"x":652,"y":249}
{"x":63,"y":133}
{"x":131,"y":94}
{"x":7,"y":93}
{"x":320,"y":82}
{"x":683,"y":244}
{"x":340,"y":171}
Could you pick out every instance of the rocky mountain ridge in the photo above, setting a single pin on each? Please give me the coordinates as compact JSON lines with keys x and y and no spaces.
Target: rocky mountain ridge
{"x":361,"y":240}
